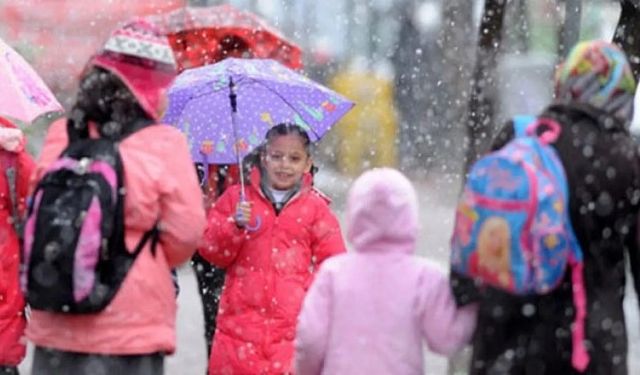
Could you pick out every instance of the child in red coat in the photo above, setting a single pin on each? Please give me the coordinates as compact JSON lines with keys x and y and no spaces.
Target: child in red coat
{"x":16,"y":166}
{"x":271,"y":244}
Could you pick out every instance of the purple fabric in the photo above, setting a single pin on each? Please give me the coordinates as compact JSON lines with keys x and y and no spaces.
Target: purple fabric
{"x":87,"y":252}
{"x":370,"y":310}
{"x":267,"y":93}
{"x":29,"y":233}
{"x":108,"y":173}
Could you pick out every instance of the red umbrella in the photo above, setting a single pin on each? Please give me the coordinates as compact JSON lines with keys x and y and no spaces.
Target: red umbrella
{"x":205,"y":35}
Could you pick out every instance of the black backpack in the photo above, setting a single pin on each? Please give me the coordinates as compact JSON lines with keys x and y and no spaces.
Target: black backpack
{"x":75,"y":257}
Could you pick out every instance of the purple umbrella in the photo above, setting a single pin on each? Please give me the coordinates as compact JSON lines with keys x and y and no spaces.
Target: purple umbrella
{"x":225,"y":109}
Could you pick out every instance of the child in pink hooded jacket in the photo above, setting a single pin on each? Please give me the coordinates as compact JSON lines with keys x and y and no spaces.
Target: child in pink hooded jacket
{"x":368,"y":311}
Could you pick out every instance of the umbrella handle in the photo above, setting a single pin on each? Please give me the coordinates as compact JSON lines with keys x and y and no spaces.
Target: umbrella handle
{"x":258,"y":218}
{"x":255,"y":227}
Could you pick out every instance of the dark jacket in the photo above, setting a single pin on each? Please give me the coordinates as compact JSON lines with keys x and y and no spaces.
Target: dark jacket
{"x":531,"y":335}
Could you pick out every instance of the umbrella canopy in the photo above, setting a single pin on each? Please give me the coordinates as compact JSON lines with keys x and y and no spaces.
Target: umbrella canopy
{"x":59,"y":36}
{"x":267,"y":93}
{"x":206,"y":35}
{"x":23,"y":94}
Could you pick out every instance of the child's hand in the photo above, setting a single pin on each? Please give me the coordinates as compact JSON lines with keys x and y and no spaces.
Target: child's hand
{"x":243,"y":213}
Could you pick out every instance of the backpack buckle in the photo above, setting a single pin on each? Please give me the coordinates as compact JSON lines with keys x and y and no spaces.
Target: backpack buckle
{"x":83,"y":166}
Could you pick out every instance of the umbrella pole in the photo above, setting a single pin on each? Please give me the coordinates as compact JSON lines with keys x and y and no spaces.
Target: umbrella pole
{"x":234,"y":112}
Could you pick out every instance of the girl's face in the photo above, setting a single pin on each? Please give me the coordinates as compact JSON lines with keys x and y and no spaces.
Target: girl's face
{"x":285,"y":161}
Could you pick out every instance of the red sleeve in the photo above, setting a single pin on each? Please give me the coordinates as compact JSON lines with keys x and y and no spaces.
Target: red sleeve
{"x":327,"y":236}
{"x":223,"y":239}
{"x":25,"y":167}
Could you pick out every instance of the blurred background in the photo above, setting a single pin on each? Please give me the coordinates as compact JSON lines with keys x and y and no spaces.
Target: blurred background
{"x":407,"y":63}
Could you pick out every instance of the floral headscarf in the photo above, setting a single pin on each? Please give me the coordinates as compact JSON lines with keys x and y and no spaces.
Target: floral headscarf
{"x":597,"y":73}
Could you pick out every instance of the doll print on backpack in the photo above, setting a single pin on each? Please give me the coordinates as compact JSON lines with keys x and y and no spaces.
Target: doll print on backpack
{"x":492,"y":259}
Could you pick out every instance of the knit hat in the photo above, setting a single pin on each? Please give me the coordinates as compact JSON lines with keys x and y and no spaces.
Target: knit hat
{"x":597,"y":73}
{"x":143,"y":60}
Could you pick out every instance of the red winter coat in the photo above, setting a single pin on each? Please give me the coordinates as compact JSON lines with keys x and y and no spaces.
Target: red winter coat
{"x":268,"y":273}
{"x":12,"y":320}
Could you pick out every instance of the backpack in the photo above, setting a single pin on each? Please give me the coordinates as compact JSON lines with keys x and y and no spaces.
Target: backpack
{"x":75,"y":257}
{"x":512,"y":229}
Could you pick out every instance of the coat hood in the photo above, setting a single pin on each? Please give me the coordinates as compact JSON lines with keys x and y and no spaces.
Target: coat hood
{"x":141,"y":57}
{"x":382,"y":212}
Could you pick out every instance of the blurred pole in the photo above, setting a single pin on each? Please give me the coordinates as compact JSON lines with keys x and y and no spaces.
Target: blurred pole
{"x":456,"y":45}
{"x":517,"y":32}
{"x":569,"y":31}
{"x":484,"y":93}
{"x":627,"y":34}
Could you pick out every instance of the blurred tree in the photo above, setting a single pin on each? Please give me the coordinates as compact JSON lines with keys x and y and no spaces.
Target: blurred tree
{"x":569,"y":28}
{"x":419,"y":89}
{"x":481,"y":109}
{"x":456,"y":43}
{"x":627,"y":34}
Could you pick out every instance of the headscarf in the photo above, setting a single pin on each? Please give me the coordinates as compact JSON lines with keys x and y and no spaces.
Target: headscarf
{"x":598,"y":74}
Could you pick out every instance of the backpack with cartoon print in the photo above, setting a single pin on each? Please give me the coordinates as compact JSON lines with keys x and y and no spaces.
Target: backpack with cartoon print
{"x":512,"y":229}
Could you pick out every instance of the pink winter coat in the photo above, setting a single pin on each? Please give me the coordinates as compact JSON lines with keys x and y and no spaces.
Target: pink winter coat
{"x":12,"y":320}
{"x":368,"y":311}
{"x":161,"y":185}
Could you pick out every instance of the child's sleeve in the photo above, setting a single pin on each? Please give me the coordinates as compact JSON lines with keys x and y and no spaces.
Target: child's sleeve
{"x":223,"y":239}
{"x":25,"y":168}
{"x":312,"y":331}
{"x":445,"y":327}
{"x":182,"y":217}
{"x":327,"y":236}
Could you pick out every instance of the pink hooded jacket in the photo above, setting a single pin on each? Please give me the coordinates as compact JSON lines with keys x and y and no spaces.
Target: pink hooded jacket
{"x":368,"y":311}
{"x":161,"y":186}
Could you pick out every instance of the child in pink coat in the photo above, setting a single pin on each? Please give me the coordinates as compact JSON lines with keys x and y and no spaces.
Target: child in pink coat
{"x":368,"y":311}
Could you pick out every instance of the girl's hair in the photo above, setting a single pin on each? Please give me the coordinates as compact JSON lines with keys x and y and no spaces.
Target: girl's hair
{"x":105,"y":100}
{"x":286,"y":128}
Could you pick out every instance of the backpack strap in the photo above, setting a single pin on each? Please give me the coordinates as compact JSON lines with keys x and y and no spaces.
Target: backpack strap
{"x":521,"y":123}
{"x":526,"y":126}
{"x":152,"y":234}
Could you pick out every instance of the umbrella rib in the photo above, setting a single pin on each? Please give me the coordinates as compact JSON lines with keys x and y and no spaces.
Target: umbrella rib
{"x":202,"y":93}
{"x":284,"y":100}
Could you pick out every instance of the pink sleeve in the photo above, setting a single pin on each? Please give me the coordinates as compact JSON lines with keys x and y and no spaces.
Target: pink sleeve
{"x":182,"y":217}
{"x":25,"y":168}
{"x":445,"y":327}
{"x":222,"y":237}
{"x":54,"y":143}
{"x":312,"y":331}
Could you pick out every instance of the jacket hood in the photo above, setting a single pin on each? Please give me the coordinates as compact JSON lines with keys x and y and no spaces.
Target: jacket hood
{"x":382,"y":212}
{"x":140,"y":56}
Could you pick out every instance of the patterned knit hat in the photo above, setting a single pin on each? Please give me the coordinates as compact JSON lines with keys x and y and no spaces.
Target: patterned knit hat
{"x":597,"y":73}
{"x":142,"y":58}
